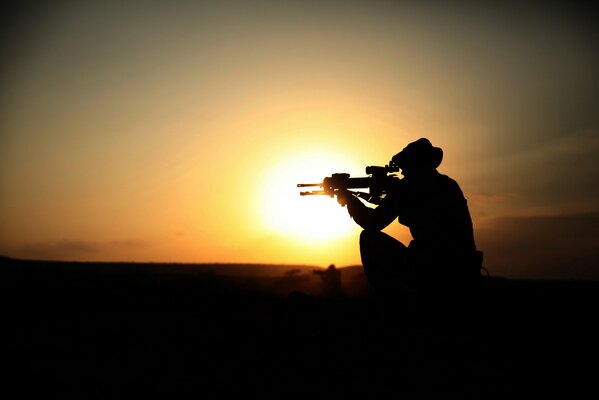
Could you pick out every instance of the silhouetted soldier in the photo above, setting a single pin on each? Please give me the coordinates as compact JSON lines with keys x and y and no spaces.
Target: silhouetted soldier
{"x":442,"y":252}
{"x":331,"y":281}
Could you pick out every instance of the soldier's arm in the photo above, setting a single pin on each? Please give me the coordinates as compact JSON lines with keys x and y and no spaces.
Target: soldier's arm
{"x":372,"y":218}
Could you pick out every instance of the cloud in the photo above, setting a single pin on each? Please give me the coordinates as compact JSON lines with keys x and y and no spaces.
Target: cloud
{"x":75,"y":249}
{"x":542,"y":247}
{"x":559,"y":175}
{"x":64,"y":248}
{"x":130,"y":243}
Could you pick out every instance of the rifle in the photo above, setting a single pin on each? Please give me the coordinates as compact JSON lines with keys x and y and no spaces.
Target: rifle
{"x":378,"y":182}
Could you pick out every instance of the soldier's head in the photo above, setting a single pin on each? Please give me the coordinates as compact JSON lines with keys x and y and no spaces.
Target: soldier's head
{"x":419,"y":157}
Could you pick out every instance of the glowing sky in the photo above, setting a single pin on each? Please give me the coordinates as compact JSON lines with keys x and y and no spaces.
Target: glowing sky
{"x":176,"y":131}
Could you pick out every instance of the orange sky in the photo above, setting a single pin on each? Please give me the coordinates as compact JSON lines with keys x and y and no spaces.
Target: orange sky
{"x":177,"y":131}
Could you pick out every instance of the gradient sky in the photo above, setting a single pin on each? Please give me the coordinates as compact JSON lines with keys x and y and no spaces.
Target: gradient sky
{"x":176,"y":131}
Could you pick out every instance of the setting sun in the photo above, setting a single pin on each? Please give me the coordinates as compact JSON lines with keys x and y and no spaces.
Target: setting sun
{"x":307,"y":219}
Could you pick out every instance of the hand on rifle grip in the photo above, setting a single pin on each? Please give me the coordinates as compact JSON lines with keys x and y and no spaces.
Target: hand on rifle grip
{"x":342,"y":196}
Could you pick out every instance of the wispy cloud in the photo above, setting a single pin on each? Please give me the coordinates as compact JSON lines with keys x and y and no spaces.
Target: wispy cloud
{"x":558,"y":175}
{"x":64,"y":248}
{"x":76,"y":249}
{"x":546,"y":247}
{"x":130,"y":243}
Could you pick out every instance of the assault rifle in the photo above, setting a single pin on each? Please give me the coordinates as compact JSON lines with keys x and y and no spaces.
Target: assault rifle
{"x":378,"y":182}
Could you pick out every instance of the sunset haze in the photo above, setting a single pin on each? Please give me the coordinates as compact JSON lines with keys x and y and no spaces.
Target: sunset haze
{"x":177,"y":131}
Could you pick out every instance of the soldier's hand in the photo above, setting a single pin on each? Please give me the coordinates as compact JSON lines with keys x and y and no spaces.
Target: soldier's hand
{"x":342,"y":197}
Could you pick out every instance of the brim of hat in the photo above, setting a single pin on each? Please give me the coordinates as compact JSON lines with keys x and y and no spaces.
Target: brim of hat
{"x":437,"y":156}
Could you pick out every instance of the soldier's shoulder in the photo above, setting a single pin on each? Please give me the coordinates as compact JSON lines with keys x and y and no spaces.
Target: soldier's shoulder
{"x":448,"y":183}
{"x":446,"y":179}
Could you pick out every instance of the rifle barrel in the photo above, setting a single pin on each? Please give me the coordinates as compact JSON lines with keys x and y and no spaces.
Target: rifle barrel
{"x":309,"y":184}
{"x":313,"y":193}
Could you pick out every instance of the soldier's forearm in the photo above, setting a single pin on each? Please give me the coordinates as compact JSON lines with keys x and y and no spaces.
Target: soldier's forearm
{"x":370,"y":218}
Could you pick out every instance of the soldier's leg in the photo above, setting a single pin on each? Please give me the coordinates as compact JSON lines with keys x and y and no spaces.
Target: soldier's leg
{"x":385,"y":260}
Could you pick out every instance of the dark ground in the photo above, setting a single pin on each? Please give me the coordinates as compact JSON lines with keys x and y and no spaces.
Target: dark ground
{"x":121,"y":330}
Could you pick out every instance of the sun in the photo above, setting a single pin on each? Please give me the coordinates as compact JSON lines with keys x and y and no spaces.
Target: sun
{"x":310,"y":218}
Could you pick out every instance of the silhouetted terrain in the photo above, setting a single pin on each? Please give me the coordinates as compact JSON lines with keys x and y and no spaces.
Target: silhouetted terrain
{"x":95,"y":330}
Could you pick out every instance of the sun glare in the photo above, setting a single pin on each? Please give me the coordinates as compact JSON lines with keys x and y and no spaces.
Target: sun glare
{"x":310,"y":218}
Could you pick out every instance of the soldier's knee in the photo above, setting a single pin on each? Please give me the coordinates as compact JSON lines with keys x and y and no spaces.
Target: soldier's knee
{"x":367,"y":237}
{"x":364,"y":236}
{"x":370,"y":243}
